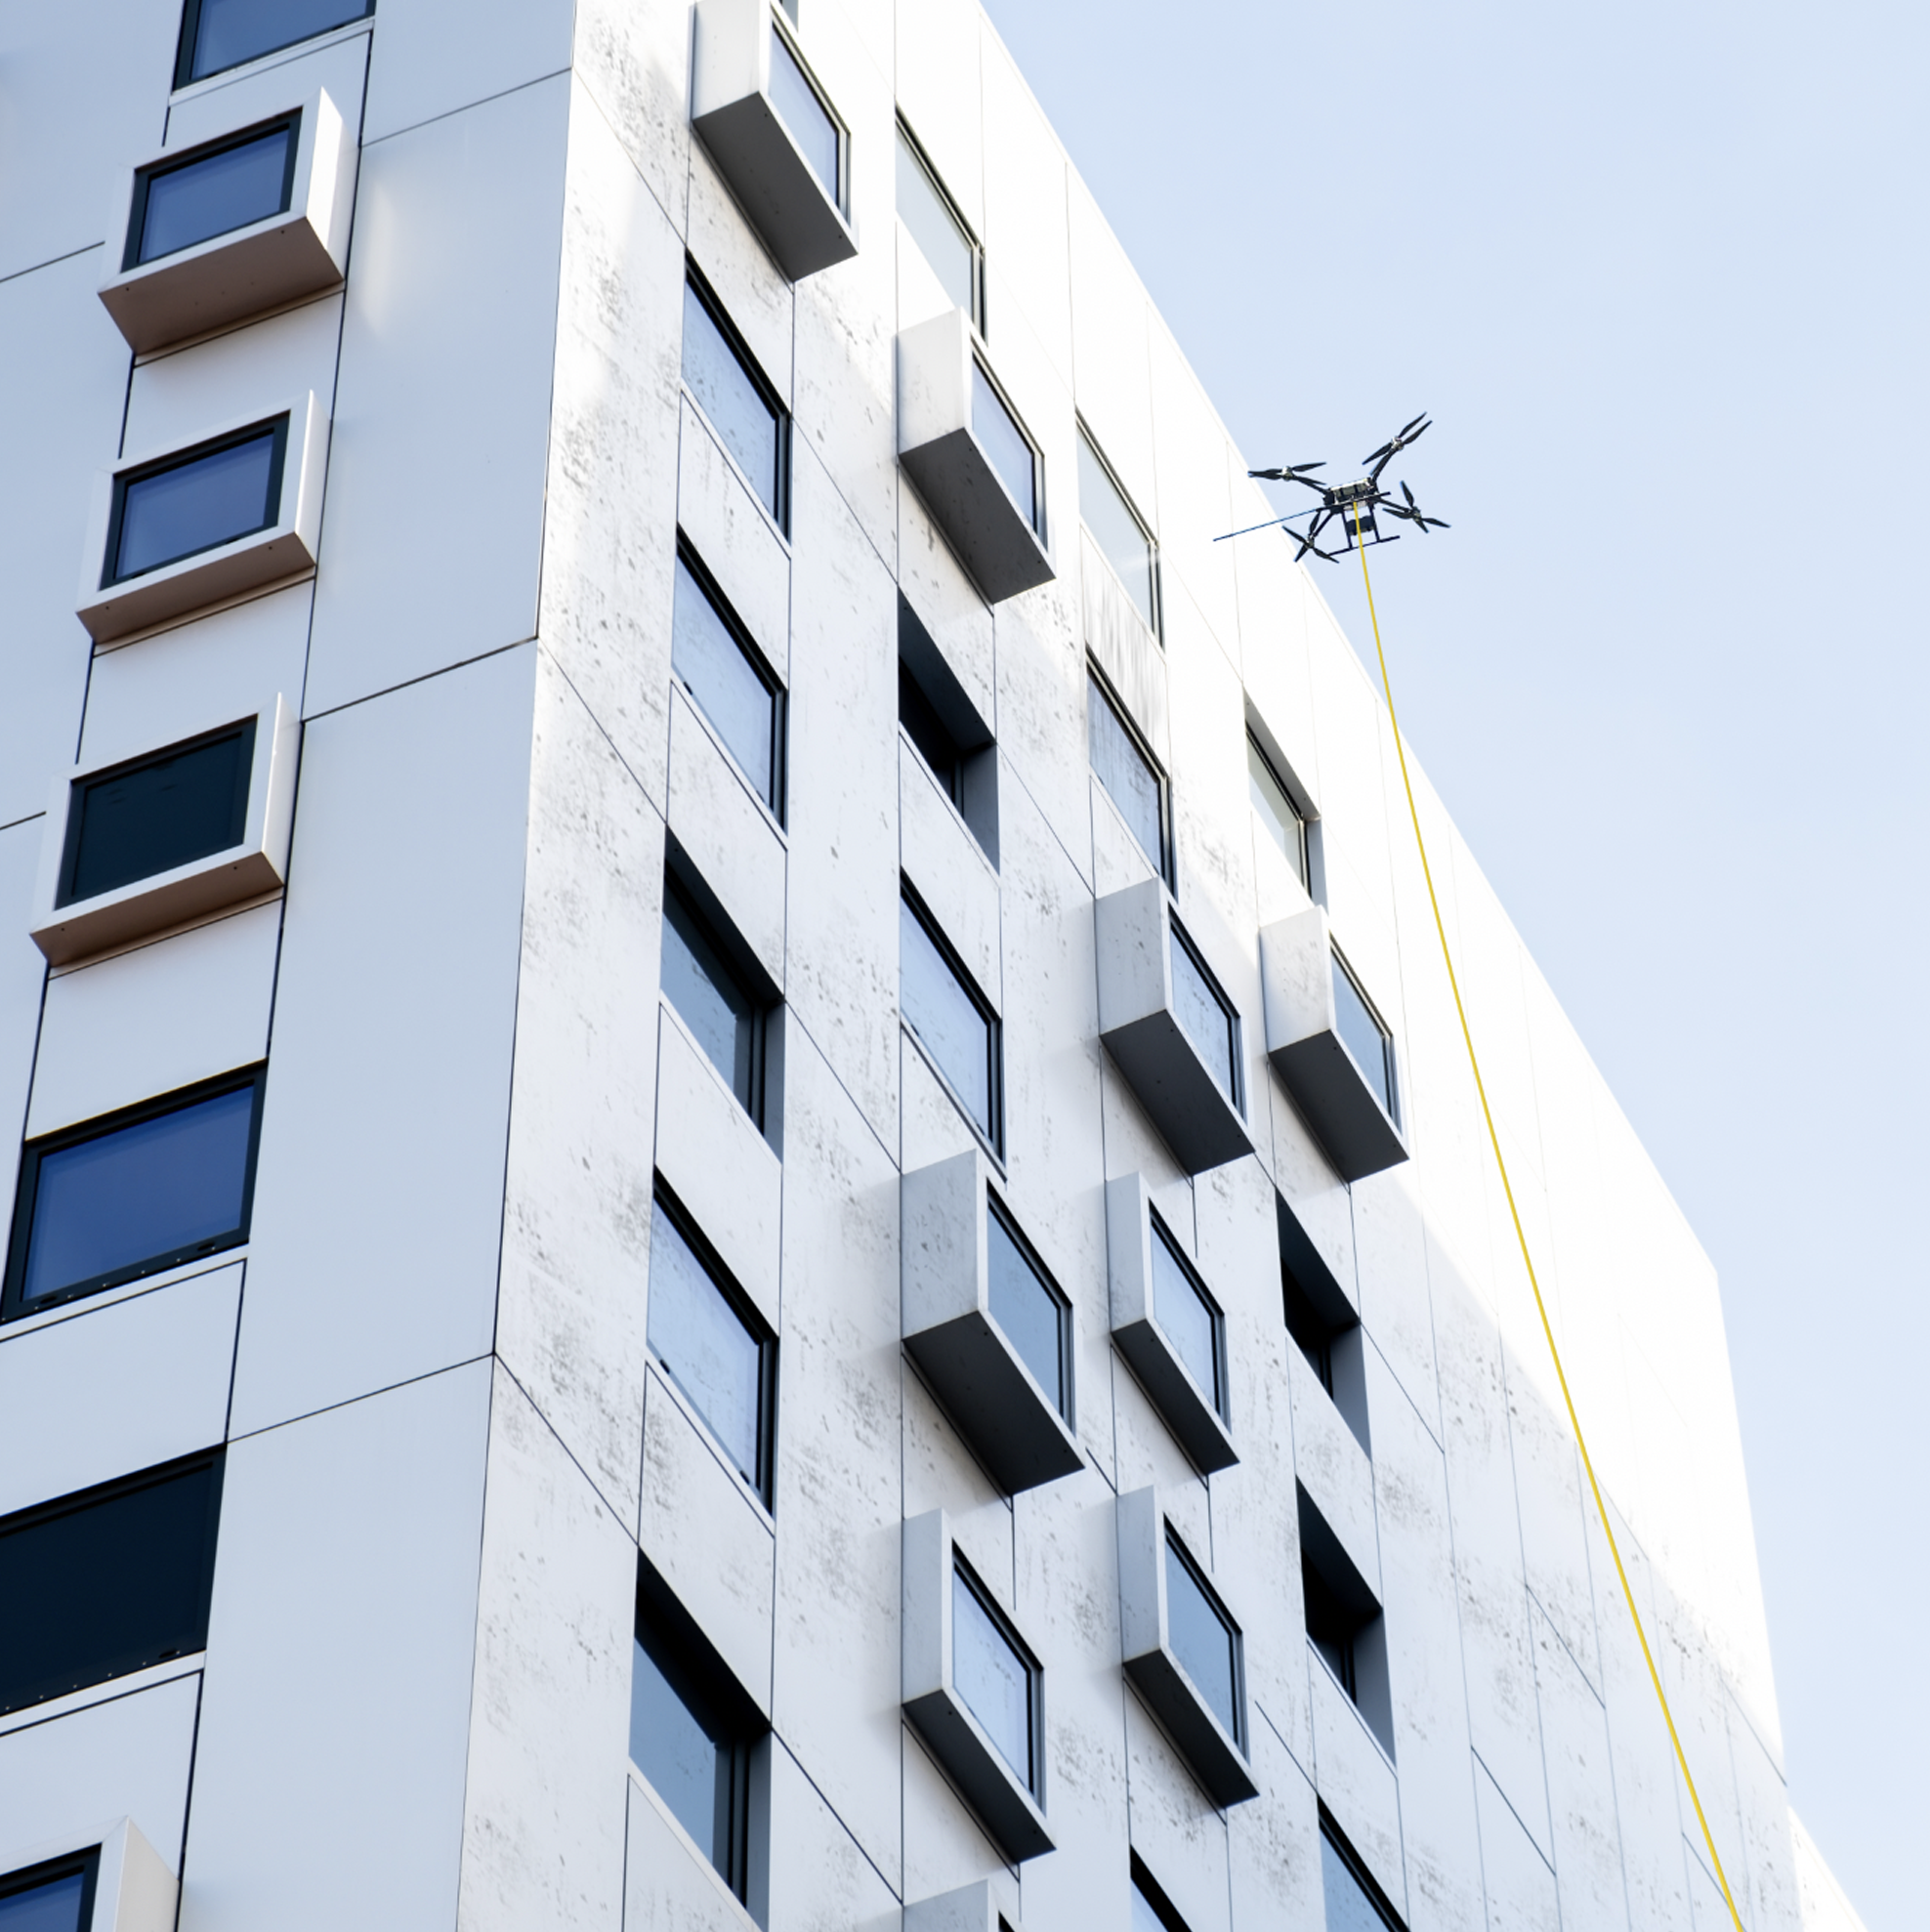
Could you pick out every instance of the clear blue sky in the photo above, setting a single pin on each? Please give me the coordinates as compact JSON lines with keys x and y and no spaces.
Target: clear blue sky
{"x":1659,"y":273}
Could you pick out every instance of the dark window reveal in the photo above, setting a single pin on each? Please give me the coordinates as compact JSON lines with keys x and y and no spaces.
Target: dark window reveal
{"x":1034,"y":1317}
{"x":55,"y":1896}
{"x":110,"y":1581}
{"x":196,"y":501}
{"x":1205,"y":1016}
{"x":720,"y":372}
{"x":927,"y":731}
{"x":810,"y":123}
{"x":1007,"y":448}
{"x":710,"y":657}
{"x":215,"y":190}
{"x":1203,"y":1639}
{"x":949,"y":1019}
{"x":994,"y":1676}
{"x":1131,"y":780}
{"x":133,"y":1193}
{"x":1364,"y":1036}
{"x":223,"y":33}
{"x":156,"y":813}
{"x":712,"y":1000}
{"x":1189,"y":1318}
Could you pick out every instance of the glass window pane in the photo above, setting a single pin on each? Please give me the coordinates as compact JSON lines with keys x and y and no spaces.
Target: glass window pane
{"x":1130,"y":781}
{"x":992,"y":1680}
{"x":935,"y":229}
{"x":1004,"y":443}
{"x":54,"y":1907}
{"x":731,"y":401}
{"x":703,"y":1343}
{"x":1122,"y":541}
{"x":705,"y":652}
{"x":1348,"y":1907}
{"x":1025,"y":1309}
{"x":1185,"y":1317}
{"x":1283,"y":822}
{"x":220,"y":191}
{"x":1201,"y":1640}
{"x":168,"y":1186}
{"x":1202,"y":1018}
{"x":197,"y":504}
{"x":169,"y":811}
{"x":805,"y":115}
{"x":675,"y":1752}
{"x":945,"y":1018}
{"x":708,"y":996}
{"x":227,"y":32}
{"x":1360,"y":1034}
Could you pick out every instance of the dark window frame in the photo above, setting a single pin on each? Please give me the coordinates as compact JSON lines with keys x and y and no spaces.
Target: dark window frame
{"x":1373,"y":1012}
{"x":191,"y":27}
{"x":1155,"y":581}
{"x":1236,"y":1052}
{"x":84,"y":1865}
{"x":1237,"y":1648}
{"x":733,"y":340}
{"x":779,"y":692}
{"x":1168,"y":857}
{"x":1036,"y":523}
{"x":1219,"y":1395}
{"x":1061,"y":1396}
{"x":947,"y":201}
{"x":1356,"y":1870}
{"x":145,"y":178}
{"x":179,"y":459}
{"x":760,"y":1008}
{"x":963,"y":1572}
{"x":785,"y":27}
{"x":34,"y":1152}
{"x":994,"y":1140}
{"x":1155,"y":1894}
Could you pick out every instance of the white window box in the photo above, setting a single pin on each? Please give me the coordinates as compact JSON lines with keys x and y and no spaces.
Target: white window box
{"x":798,"y":208}
{"x":292,"y":252}
{"x":134,"y":1891}
{"x":1305,"y":1044}
{"x":996,"y":522}
{"x":251,"y":868}
{"x":117,"y":609}
{"x":971,"y":1909}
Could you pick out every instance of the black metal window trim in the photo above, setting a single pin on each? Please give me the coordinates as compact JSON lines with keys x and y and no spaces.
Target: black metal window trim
{"x":145,"y":178}
{"x":1217,"y":1394}
{"x":1011,"y":408}
{"x":1340,"y":961}
{"x":191,"y":26}
{"x":1238,"y":1645}
{"x":707,"y":581}
{"x":1236,"y":1056}
{"x":1099,"y":456}
{"x":784,"y":25}
{"x":36,"y":1151}
{"x":84,"y":1865}
{"x":1062,"y":1395}
{"x":1023,"y":1650}
{"x":1356,"y":1870}
{"x":1168,"y":838}
{"x":994,"y":1141}
{"x":747,"y":361}
{"x":111,"y":571}
{"x":957,"y":213}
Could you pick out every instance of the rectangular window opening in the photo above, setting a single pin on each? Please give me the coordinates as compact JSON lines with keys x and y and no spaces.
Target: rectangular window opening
{"x":1151,"y":1910}
{"x":195,"y":501}
{"x":713,"y":1000}
{"x":928,"y":732}
{"x":218,"y":35}
{"x":807,"y":116}
{"x":713,"y":658}
{"x":738,"y":401}
{"x":1119,"y":531}
{"x":943,"y":236}
{"x":1273,"y":804}
{"x":57,"y":1896}
{"x":1189,"y":1316}
{"x":1131,"y":779}
{"x":1205,"y":1639}
{"x":1355,"y":1903}
{"x":1007,"y":448}
{"x":1035,"y":1318}
{"x":1365,"y":1037}
{"x":230,"y":185}
{"x":995,"y":1675}
{"x":949,"y":1019}
{"x":1206,"y":1015}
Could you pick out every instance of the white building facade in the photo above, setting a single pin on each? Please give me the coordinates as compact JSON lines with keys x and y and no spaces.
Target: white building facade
{"x":747,"y":1194}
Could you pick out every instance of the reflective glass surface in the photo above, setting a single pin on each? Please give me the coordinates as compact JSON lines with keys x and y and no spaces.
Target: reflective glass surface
{"x":1206,"y":1022}
{"x":1282,"y":824}
{"x":1200,"y":1638}
{"x":170,"y":1186}
{"x":1360,"y":1034}
{"x":1005,"y":445}
{"x":945,"y":1018}
{"x":1130,"y":781}
{"x":676,"y":1753}
{"x":227,"y":32}
{"x":195,"y":505}
{"x":945,"y":245}
{"x":54,"y":1907}
{"x":1186,"y":1318}
{"x":992,"y":1680}
{"x":708,"y":997}
{"x":703,"y":1343}
{"x":1117,"y":531}
{"x":220,"y":191}
{"x":806,"y":116}
{"x":705,"y":652}
{"x":1025,"y":1308}
{"x":732,"y":401}
{"x":1348,"y":1907}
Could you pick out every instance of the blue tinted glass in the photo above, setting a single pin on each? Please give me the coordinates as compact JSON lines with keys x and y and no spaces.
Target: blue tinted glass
{"x":734,"y":402}
{"x":804,"y":115}
{"x":227,"y":32}
{"x":1185,"y":1317}
{"x":1004,"y":443}
{"x":1130,"y":782}
{"x":945,"y":1017}
{"x":169,"y":811}
{"x":1025,"y":1308}
{"x":945,"y":245}
{"x":169,"y":1185}
{"x":1205,"y":1020}
{"x":992,"y":1680}
{"x":1361,"y":1033}
{"x":1200,"y":1638}
{"x":195,"y":505}
{"x":707,"y":998}
{"x":673,"y":1752}
{"x":54,"y":1907}
{"x":707,"y":656}
{"x":218,"y":192}
{"x":1348,"y":1907}
{"x":703,"y":1341}
{"x":1115,"y":530}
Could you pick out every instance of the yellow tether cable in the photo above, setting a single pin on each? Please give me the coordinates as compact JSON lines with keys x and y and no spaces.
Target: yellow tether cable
{"x":1528,"y":1260}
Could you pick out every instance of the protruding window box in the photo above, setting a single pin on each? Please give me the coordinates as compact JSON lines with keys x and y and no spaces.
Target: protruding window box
{"x":987,"y":1325}
{"x":1171,"y":1028}
{"x":1330,"y":1049}
{"x":973,"y":461}
{"x":135,"y":846}
{"x":774,"y":134}
{"x":973,"y":1691}
{"x":1184,"y":1650}
{"x":175,"y":531}
{"x":972,"y":1908}
{"x":115,"y":1881}
{"x":1167,"y":1325}
{"x":232,"y":227}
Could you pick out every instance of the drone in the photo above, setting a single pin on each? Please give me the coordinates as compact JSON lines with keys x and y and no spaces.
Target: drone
{"x":1354,"y":504}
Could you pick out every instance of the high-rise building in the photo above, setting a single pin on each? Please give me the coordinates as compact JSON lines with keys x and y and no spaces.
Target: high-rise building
{"x":746,"y":1191}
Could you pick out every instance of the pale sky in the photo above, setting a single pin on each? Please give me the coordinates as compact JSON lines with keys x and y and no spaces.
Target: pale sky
{"x":1658,"y":274}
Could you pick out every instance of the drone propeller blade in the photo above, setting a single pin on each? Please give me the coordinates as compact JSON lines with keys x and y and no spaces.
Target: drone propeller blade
{"x":1407,"y":494}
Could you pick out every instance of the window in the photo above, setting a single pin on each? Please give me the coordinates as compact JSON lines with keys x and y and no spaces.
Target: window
{"x":940,"y":231}
{"x":712,"y":1000}
{"x":1119,"y":532}
{"x":106,"y":1581}
{"x":706,"y":1338}
{"x":223,"y":33}
{"x":1203,"y":1639}
{"x":244,"y":178}
{"x":993,"y":1675}
{"x":1190,"y":1318}
{"x":1007,"y":448}
{"x":949,"y":1019}
{"x":156,"y":813}
{"x":927,"y":731}
{"x":1354,"y":1902}
{"x":1131,"y":779}
{"x":1325,"y":1330}
{"x":1364,"y":1036}
{"x":740,"y":405}
{"x":1206,"y":1015}
{"x":1036,"y":1319}
{"x":195,"y":501}
{"x":809,"y":121}
{"x":945,"y":728}
{"x":136,"y":1192}
{"x":718,"y":666}
{"x":1274,"y":806}
{"x":1344,"y":1621}
{"x":55,"y":1897}
{"x":1152,"y":1910}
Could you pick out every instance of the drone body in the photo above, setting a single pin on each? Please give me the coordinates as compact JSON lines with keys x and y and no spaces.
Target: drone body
{"x":1354,"y":504}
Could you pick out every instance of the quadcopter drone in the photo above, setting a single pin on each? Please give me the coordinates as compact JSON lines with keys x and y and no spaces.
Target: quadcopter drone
{"x":1354,"y":504}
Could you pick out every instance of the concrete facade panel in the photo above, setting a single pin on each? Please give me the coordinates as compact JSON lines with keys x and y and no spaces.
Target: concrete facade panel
{"x":433,"y":57}
{"x":1520,"y":1888}
{"x":1587,"y":1841}
{"x":217,"y":105}
{"x":22,"y":981}
{"x":668,"y":1885}
{"x":1177,"y":1831}
{"x":819,"y":1874}
{"x":734,"y":538}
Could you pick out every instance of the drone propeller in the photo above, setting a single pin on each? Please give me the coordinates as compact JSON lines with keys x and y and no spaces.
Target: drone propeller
{"x":1320,"y":521}
{"x":1290,"y":473}
{"x":1408,"y":433}
{"x":1413,"y":513}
